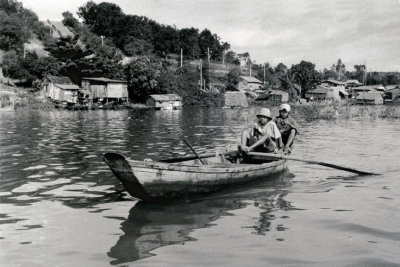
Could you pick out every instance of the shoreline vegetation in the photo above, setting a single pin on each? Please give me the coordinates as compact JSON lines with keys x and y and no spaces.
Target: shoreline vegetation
{"x":311,"y":111}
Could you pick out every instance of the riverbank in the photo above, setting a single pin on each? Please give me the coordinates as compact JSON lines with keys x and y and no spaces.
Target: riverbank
{"x":310,"y":111}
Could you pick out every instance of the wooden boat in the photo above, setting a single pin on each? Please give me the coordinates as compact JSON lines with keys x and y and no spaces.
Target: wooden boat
{"x":152,"y":181}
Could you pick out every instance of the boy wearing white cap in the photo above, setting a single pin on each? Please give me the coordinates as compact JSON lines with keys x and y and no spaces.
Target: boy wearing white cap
{"x":262,"y":135}
{"x":288,"y":128}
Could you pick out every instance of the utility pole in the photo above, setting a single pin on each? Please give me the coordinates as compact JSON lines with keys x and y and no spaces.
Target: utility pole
{"x":209,"y":68}
{"x":365,"y":72}
{"x":201,"y":74}
{"x":250,"y":67}
{"x":264,"y":73}
{"x":181,"y":57}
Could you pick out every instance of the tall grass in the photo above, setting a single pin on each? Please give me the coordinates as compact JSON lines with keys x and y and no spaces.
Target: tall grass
{"x":324,"y":110}
{"x":334,"y":110}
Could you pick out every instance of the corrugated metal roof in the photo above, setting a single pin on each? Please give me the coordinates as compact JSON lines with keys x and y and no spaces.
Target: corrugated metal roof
{"x":102,"y":79}
{"x":59,"y":79}
{"x":352,"y":81}
{"x":369,"y":95}
{"x":67,"y":86}
{"x":370,"y":87}
{"x":166,"y":97}
{"x":251,"y":79}
{"x":392,"y":86}
{"x":334,"y":81}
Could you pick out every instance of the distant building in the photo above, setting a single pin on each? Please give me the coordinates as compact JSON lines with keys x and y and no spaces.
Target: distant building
{"x":368,"y":88}
{"x":248,"y":83}
{"x":369,"y":98}
{"x":104,"y":89}
{"x":164,"y":101}
{"x":392,"y":93}
{"x":321,"y":93}
{"x":352,"y":83}
{"x":60,"y":89}
{"x":331,"y":82}
{"x":275,"y":96}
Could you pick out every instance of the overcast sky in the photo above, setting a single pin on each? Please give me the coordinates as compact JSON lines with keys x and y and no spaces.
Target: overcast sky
{"x":274,"y":31}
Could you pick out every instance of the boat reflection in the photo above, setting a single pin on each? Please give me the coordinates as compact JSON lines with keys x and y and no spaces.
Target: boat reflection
{"x":150,"y":226}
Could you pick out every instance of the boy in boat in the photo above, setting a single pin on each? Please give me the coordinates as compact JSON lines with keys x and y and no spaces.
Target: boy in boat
{"x":288,"y":128}
{"x":262,"y":136}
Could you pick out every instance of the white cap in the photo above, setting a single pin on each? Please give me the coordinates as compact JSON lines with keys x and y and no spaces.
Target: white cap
{"x":285,"y":106}
{"x":264,"y":112}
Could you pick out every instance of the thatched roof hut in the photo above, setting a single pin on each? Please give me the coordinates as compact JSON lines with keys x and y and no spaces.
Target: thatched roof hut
{"x":235,"y":99}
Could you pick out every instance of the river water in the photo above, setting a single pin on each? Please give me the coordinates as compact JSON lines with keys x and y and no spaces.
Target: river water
{"x":60,"y":205}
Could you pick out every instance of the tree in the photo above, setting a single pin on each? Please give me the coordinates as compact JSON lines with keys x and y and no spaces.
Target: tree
{"x":269,"y":73}
{"x":360,"y":73}
{"x":66,"y":49}
{"x":280,"y":69}
{"x":189,"y":42}
{"x":329,"y":74}
{"x":29,"y":68}
{"x":209,"y":42}
{"x":137,"y":47}
{"x":231,"y":57}
{"x":340,"y":69}
{"x":233,"y":79}
{"x":142,"y":75}
{"x":10,"y":6}
{"x":105,"y":63}
{"x":69,"y":20}
{"x":13,"y":33}
{"x":166,"y":40}
{"x":104,"y":17}
{"x":305,"y":75}
{"x":289,"y":84}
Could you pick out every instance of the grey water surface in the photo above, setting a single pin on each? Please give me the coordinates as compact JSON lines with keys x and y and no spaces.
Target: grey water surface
{"x":60,"y":205}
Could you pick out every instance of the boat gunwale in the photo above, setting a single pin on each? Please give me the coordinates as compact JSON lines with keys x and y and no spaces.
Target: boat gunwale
{"x":142,"y":166}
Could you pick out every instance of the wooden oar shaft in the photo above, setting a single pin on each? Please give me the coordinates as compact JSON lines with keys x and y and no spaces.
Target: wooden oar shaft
{"x":194,"y":152}
{"x":330,"y":165}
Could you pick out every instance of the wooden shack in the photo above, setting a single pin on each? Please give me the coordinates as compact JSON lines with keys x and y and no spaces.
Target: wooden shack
{"x":369,"y":98}
{"x":278,"y":96}
{"x":392,"y":93}
{"x":248,"y":83}
{"x":164,"y":101}
{"x":60,"y":89}
{"x":323,"y":92}
{"x":105,"y":90}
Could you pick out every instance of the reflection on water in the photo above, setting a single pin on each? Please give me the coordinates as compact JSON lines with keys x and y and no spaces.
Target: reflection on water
{"x":55,"y":188}
{"x":151,"y":226}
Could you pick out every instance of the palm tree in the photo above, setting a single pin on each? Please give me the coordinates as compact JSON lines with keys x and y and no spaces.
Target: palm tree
{"x":288,"y":84}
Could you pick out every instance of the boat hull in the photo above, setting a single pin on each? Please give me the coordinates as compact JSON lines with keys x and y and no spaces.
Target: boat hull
{"x":165,"y":180}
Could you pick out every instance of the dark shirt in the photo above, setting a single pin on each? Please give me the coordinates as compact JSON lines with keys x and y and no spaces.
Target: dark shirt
{"x":286,"y":125}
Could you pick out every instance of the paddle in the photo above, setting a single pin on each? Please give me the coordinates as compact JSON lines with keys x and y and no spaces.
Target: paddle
{"x":197,"y":155}
{"x":330,"y":165}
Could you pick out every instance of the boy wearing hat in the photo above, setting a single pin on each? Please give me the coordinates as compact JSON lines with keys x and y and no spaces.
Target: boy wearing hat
{"x":262,"y":135}
{"x":288,"y":128}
